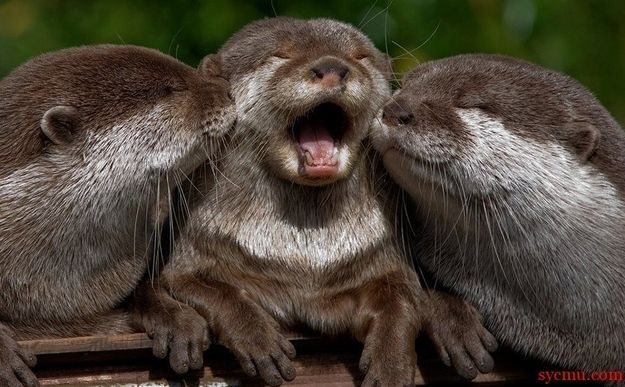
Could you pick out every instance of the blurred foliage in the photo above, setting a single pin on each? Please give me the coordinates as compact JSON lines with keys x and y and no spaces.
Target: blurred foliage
{"x":585,"y":39}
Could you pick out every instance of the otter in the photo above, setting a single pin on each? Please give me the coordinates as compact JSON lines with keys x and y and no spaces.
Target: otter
{"x":297,"y":228}
{"x":91,"y":141}
{"x":518,"y":174}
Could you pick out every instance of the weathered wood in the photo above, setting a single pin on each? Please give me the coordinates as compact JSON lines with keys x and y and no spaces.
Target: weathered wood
{"x":106,"y":343}
{"x":127,"y":360}
{"x":88,"y":344}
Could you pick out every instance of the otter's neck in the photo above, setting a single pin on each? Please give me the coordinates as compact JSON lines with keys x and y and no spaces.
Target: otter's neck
{"x":560,"y":241}
{"x":69,"y":240}
{"x":76,"y":217}
{"x":270,"y":218}
{"x":547,"y":260}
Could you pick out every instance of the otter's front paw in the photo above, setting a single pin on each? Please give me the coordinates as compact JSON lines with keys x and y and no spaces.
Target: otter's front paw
{"x":254,"y":338}
{"x":456,"y":330}
{"x":389,"y":357}
{"x":15,"y":362}
{"x":182,"y":332}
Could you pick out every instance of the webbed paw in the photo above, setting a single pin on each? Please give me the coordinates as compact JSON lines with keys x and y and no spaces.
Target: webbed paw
{"x":181,"y":332}
{"x":456,"y":329}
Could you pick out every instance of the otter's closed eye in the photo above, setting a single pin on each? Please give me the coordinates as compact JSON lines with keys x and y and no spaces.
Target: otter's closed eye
{"x":470,"y":101}
{"x":281,"y":55}
{"x":170,"y":88}
{"x":360,"y":55}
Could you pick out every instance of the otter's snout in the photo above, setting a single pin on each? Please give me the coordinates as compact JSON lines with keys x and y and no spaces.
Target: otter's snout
{"x":329,"y":71}
{"x":394,"y":114}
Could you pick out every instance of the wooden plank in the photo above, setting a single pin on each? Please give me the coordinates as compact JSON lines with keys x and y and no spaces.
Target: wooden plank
{"x":321,"y":361}
{"x":108,"y":343}
{"x":88,"y":344}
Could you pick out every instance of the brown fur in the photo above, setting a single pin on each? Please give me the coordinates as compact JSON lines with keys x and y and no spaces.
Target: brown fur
{"x":91,"y":141}
{"x":268,"y":246}
{"x":521,"y":204}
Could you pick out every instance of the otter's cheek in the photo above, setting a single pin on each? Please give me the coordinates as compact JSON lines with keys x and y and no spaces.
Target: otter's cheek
{"x":290,"y":163}
{"x":220,"y":123}
{"x":282,"y":160}
{"x":381,"y":137}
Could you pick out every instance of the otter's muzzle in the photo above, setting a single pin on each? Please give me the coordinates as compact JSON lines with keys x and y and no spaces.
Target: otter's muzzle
{"x":394,"y":114}
{"x":329,"y":71}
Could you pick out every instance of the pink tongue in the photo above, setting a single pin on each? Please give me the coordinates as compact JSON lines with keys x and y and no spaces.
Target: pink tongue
{"x":317,"y":141}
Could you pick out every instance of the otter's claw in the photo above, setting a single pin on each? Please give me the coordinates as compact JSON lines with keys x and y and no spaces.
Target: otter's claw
{"x":183,"y":333}
{"x":254,"y":338}
{"x":460,"y":339}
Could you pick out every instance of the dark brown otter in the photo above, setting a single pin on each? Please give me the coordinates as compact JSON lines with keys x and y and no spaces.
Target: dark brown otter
{"x":299,"y":226}
{"x":91,"y":140}
{"x":519,"y":176}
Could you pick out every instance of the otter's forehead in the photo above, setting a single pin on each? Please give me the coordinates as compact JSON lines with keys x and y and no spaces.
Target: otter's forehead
{"x":528,"y":99}
{"x":481,"y":73}
{"x":107,"y":81}
{"x":112,"y":73}
{"x":286,"y":37}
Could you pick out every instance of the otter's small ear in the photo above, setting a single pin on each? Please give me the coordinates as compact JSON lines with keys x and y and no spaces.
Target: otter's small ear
{"x":59,"y":124}
{"x":584,"y":139}
{"x":210,"y":65}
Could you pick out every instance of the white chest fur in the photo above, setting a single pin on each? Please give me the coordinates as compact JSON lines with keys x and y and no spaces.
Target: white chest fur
{"x":313,"y":233}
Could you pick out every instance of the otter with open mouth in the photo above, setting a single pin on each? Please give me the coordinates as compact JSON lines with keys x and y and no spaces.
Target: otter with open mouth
{"x":300,"y":225}
{"x":518,"y":173}
{"x":318,"y":134}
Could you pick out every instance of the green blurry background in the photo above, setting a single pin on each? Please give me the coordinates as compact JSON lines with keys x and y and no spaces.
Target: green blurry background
{"x":585,"y":39}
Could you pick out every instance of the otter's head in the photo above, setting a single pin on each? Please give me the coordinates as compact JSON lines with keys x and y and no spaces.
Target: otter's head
{"x":307,"y":92}
{"x":119,"y":111}
{"x":486,"y":127}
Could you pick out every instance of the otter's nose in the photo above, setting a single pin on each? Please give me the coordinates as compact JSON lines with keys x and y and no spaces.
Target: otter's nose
{"x":329,"y":71}
{"x":395,"y":114}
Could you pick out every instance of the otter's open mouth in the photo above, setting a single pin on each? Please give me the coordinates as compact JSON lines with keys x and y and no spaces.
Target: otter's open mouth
{"x":318,"y":134}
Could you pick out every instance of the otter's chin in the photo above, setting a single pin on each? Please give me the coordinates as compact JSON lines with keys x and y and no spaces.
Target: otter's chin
{"x":318,"y":181}
{"x":405,"y":169}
